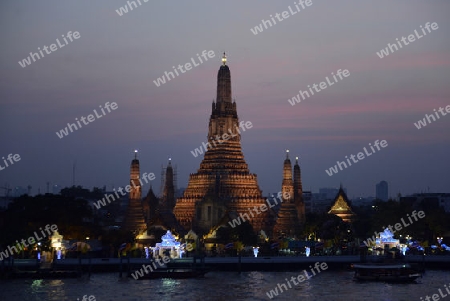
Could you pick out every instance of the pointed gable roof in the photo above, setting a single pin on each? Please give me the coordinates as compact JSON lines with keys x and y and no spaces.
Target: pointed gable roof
{"x":341,"y":207}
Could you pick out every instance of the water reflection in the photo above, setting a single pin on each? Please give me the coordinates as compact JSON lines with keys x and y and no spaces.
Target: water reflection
{"x":221,"y":286}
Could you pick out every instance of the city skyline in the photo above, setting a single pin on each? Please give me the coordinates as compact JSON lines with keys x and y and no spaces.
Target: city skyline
{"x":118,"y":59}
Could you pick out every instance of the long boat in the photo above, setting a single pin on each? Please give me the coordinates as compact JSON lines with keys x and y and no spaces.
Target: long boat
{"x":394,"y":272}
{"x":175,"y":273}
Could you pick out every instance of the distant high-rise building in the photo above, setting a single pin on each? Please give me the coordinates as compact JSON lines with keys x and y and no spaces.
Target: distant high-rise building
{"x":56,"y":189}
{"x":307,"y":201}
{"x":431,"y":199}
{"x":382,"y":191}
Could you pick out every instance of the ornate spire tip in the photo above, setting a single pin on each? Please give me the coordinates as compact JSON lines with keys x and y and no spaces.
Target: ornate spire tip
{"x":224,"y":59}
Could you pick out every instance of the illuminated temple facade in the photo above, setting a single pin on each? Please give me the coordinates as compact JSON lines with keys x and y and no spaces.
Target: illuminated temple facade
{"x":342,"y":208}
{"x":222,"y":189}
{"x":223,"y":184}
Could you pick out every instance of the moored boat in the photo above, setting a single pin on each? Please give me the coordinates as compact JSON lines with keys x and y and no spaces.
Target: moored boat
{"x":395,"y":272}
{"x":174,"y":273}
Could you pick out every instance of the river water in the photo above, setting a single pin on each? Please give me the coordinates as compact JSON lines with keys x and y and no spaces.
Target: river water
{"x":224,"y":286}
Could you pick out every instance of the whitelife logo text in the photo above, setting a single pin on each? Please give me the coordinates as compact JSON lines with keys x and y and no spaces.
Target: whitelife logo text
{"x":360,"y":156}
{"x":411,"y":38}
{"x":319,"y":87}
{"x":368,"y":242}
{"x":90,"y":118}
{"x":280,"y":17}
{"x":162,"y":80}
{"x":11,"y":158}
{"x":31,"y":241}
{"x":423,"y":122}
{"x":27,"y":61}
{"x":111,"y":198}
{"x":220,"y":139}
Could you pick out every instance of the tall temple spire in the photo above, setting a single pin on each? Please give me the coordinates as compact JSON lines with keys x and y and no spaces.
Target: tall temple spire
{"x":224,"y":118}
{"x":134,"y":218}
{"x":169,"y":189}
{"x":224,"y":82}
{"x":135,"y":192}
{"x":287,"y":172}
{"x":287,"y":223}
{"x":297,"y":178}
{"x":298,"y":192}
{"x":223,"y":183}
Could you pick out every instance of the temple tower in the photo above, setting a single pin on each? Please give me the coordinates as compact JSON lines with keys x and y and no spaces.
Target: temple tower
{"x":135,"y":192}
{"x":223,"y":181}
{"x":134,"y":218}
{"x":298,"y":192}
{"x":287,"y":223}
{"x":287,"y":186}
{"x":151,"y":206}
{"x":168,"y":197}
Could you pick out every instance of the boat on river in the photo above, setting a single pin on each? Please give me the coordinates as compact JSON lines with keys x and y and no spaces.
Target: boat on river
{"x":175,"y":273}
{"x":388,"y":272}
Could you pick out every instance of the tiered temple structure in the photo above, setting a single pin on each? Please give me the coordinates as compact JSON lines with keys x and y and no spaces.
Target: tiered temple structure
{"x":159,"y":211}
{"x":342,"y":208}
{"x":298,"y":192}
{"x":223,"y":183}
{"x":151,"y":206}
{"x":134,"y":218}
{"x":168,"y":196}
{"x":288,"y":222}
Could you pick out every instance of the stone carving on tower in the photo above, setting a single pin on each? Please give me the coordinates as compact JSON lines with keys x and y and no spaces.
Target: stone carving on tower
{"x":223,"y":182}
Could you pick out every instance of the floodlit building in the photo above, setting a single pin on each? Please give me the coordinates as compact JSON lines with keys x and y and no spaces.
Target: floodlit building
{"x":341,"y":207}
{"x":223,"y":182}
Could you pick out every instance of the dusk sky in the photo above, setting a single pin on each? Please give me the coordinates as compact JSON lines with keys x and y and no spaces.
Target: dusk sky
{"x":117,"y":58}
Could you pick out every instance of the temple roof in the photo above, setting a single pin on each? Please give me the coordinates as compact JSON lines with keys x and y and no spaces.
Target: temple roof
{"x":341,"y":207}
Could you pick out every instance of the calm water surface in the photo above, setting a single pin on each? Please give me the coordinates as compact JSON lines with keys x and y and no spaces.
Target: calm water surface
{"x":224,"y":286}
